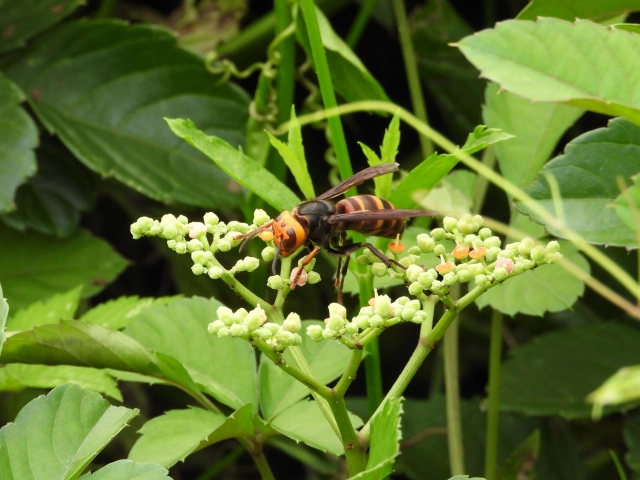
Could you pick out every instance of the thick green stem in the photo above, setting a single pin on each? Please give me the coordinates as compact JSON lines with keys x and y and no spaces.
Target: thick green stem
{"x":372,"y":368}
{"x":355,"y":454}
{"x":349,"y":374}
{"x":411,"y":68}
{"x":493,"y":399}
{"x":452,"y":390}
{"x":326,"y":87}
{"x":360,"y":22}
{"x":261,"y":462}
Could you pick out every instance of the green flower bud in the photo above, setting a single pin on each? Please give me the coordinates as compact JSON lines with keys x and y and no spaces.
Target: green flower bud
{"x":379,"y":269}
{"x":136,"y":231}
{"x":407,"y":314}
{"x":413,"y":271}
{"x":538,"y":253}
{"x":181,"y":248}
{"x":419,"y":317}
{"x":500,"y":274}
{"x":493,"y":241}
{"x":260,"y":217}
{"x":224,"y":332}
{"x":449,"y":279}
{"x":197,"y":269}
{"x":552,"y":257}
{"x":285,"y":338}
{"x":215,"y":272}
{"x":415,"y":288}
{"x":476,"y":268}
{"x":525,"y":246}
{"x":512,"y":247}
{"x":225,"y":314}
{"x":402,"y":300}
{"x":335,"y":322}
{"x":362,"y":322}
{"x":292,"y":323}
{"x":481,"y":280}
{"x":313,"y":277}
{"x":362,"y":260}
{"x":351,"y":328}
{"x":155,"y":230}
{"x":382,"y":306}
{"x":466,"y":226}
{"x":508,"y":253}
{"x":472,"y":239}
{"x":274,"y":328}
{"x":239,"y":330}
{"x":527,"y":264}
{"x":223,"y":245}
{"x":314,"y":332}
{"x":172,"y":244}
{"x":450,"y":224}
{"x":202,"y":257}
{"x":368,"y":311}
{"x":438,"y":234}
{"x":169,"y":231}
{"x":426,"y":279}
{"x":327,"y":333}
{"x":194,"y":245}
{"x":485,"y":233}
{"x":240,"y":266}
{"x":215,"y":326}
{"x":167,"y":219}
{"x":211,"y":219}
{"x":415,"y":250}
{"x":251,"y":263}
{"x":553,"y":246}
{"x":426,"y":242}
{"x":437,"y":285}
{"x":145,"y":224}
{"x":268,"y":254}
{"x":263,"y":333}
{"x":492,"y":254}
{"x":335,"y":309}
{"x":439,"y":249}
{"x":254,"y":319}
{"x":464,"y":276}
{"x":518,"y":267}
{"x":275,"y":282}
{"x":376,"y":321}
{"x":406,"y":261}
{"x":478,"y":220}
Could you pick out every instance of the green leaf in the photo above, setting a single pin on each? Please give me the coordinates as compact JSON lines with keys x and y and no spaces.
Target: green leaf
{"x":304,"y":422}
{"x":128,"y":470}
{"x":350,"y":77}
{"x":622,"y":387}
{"x":51,"y":310}
{"x":587,"y":178}
{"x":244,"y":170}
{"x":170,"y":438}
{"x":506,"y":55}
{"x":34,"y":267}
{"x":518,"y":464}
{"x":627,"y":205}
{"x":426,"y":175}
{"x":293,"y":155}
{"x":388,"y":153}
{"x":4,"y":312}
{"x":553,"y":374}
{"x":57,"y":436}
{"x":279,"y":391}
{"x":21,"y":21}
{"x":549,"y":288}
{"x":225,"y":367}
{"x":632,"y":440}
{"x":385,"y":441}
{"x":451,"y":82}
{"x":596,"y":10}
{"x":104,"y":86}
{"x":17,"y":376}
{"x":537,"y":128}
{"x":117,"y":313}
{"x":18,"y":138}
{"x":453,"y":195}
{"x":51,"y":202}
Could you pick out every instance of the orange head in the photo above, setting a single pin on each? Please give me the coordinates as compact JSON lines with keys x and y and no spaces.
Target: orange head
{"x":288,"y":234}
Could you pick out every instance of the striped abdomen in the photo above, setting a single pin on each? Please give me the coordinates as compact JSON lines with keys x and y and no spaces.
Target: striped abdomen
{"x":389,"y":227}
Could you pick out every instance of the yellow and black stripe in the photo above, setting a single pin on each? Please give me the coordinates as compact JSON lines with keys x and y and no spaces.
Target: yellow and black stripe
{"x":384,"y":227}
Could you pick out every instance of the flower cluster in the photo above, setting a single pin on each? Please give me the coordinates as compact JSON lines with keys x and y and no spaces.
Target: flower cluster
{"x":477,"y":256}
{"x":381,"y":313}
{"x":253,"y":326}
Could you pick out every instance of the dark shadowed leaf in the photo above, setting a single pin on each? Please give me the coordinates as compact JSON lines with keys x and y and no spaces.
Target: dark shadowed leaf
{"x":632,"y":439}
{"x":596,"y":10}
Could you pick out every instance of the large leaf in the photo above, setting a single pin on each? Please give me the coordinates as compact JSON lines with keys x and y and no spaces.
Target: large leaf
{"x":452,"y":83}
{"x":426,"y":175}
{"x":117,"y":313}
{"x":553,"y":374}
{"x":305,"y":423}
{"x":128,"y":470}
{"x":173,"y":436}
{"x":103,"y":88}
{"x":63,"y":305}
{"x":52,"y":201}
{"x":350,"y":77}
{"x":596,"y":10}
{"x":18,"y":376}
{"x":549,"y":288}
{"x":34,"y":267}
{"x":537,"y":128}
{"x":587,"y":176}
{"x":18,"y":138}
{"x":279,"y":391}
{"x":244,"y":170}
{"x":226,"y":367}
{"x":57,"y":436}
{"x":19,"y":21}
{"x":552,"y":60}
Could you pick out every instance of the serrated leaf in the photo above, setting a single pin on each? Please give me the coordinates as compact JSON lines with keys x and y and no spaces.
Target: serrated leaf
{"x":305,"y":423}
{"x":385,"y":441}
{"x":34,"y":267}
{"x":452,"y":83}
{"x":388,"y":153}
{"x":57,"y":436}
{"x":549,"y":288}
{"x":225,"y":367}
{"x":21,"y":21}
{"x":596,"y":10}
{"x":128,"y":470}
{"x":18,"y":139}
{"x":244,"y":170}
{"x":51,"y":202}
{"x":531,"y":59}
{"x":173,"y":436}
{"x":350,"y":77}
{"x":17,"y":376}
{"x":587,"y":177}
{"x":104,"y":86}
{"x":537,"y":128}
{"x":553,"y":374}
{"x":279,"y":391}
{"x":117,"y":313}
{"x":51,"y":310}
{"x":627,"y":206}
{"x":632,"y":440}
{"x":426,"y":175}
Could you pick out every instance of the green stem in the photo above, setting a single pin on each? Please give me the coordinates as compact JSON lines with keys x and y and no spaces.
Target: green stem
{"x":349,"y":374}
{"x":222,"y":464}
{"x":481,"y":185}
{"x":493,"y":397}
{"x":413,"y":78}
{"x":355,"y":454}
{"x":452,"y":395}
{"x":326,"y":87}
{"x":360,"y":22}
{"x":261,"y":462}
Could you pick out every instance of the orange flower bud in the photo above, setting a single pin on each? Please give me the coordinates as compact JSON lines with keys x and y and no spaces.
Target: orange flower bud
{"x":478,"y":252}
{"x":461,"y":251}
{"x":267,"y":235}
